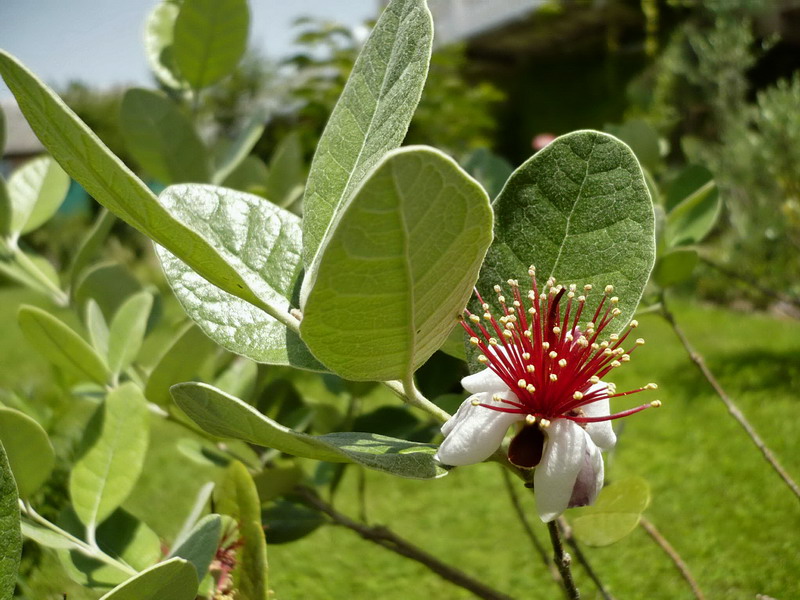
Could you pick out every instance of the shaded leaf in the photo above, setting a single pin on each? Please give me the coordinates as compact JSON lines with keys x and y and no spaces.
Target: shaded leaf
{"x":675,"y":266}
{"x":201,"y":544}
{"x":615,"y":513}
{"x":46,"y":537}
{"x":237,"y":497}
{"x":28,"y":450}
{"x":406,"y":252}
{"x":642,"y":138}
{"x":10,"y":536}
{"x":174,"y":579}
{"x":690,"y":179}
{"x":694,"y":218}
{"x":90,"y":244}
{"x":226,"y":416}
{"x":239,"y":149}
{"x":287,"y":521}
{"x":490,"y":169}
{"x":115,"y":444}
{"x":179,"y":362}
{"x":162,"y":138}
{"x":210,"y":38}
{"x":371,"y":116}
{"x":109,"y":284}
{"x":285,"y":177}
{"x":61,"y":345}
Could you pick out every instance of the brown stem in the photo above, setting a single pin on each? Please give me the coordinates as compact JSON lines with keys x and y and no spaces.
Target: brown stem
{"x":563,"y":561}
{"x":581,"y":558}
{"x":673,"y":554}
{"x":391,"y":541}
{"x":766,"y":291}
{"x":733,"y":409}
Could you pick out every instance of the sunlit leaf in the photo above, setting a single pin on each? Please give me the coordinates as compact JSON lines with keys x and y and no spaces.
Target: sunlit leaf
{"x":226,"y":416}
{"x":615,"y":513}
{"x":127,"y":329}
{"x":162,"y":138}
{"x":36,"y":191}
{"x":210,"y":38}
{"x":28,"y":450}
{"x":371,"y":116}
{"x":237,"y":497}
{"x":263,"y":241}
{"x":61,"y":345}
{"x":174,"y":579}
{"x":398,"y":268}
{"x":10,"y":536}
{"x":115,"y":447}
{"x":87,"y":160}
{"x":579,"y":211}
{"x":97,"y":327}
{"x":158,"y":37}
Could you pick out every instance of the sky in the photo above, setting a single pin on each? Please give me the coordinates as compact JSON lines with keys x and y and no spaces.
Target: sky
{"x":99,"y":41}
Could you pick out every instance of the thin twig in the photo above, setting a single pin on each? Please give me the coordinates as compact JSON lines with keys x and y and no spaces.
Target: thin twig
{"x":563,"y":561}
{"x":582,"y":559}
{"x":673,"y":554}
{"x":766,"y":291}
{"x":526,"y":525}
{"x":391,"y":541}
{"x":733,"y":409}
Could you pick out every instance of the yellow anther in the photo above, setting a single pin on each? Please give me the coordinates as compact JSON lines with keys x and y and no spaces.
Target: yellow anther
{"x":527,"y":333}
{"x":616,"y":312}
{"x":590,"y":325}
{"x":475,"y":403}
{"x":569,"y":337}
{"x":570,"y":295}
{"x":640,"y":341}
{"x":634,"y":324}
{"x":577,"y":396}
{"x":625,"y":358}
{"x":517,"y":304}
{"x":583,"y":342}
{"x":545,"y":345}
{"x":497,"y":289}
{"x":530,"y":389}
{"x":612,"y":388}
{"x":501,"y":299}
{"x":526,"y":356}
{"x":594,"y":379}
{"x":651,"y":386}
{"x":581,"y":299}
{"x":475,"y":318}
{"x":615,"y":363}
{"x":513,"y":283}
{"x":530,"y":368}
{"x":614,"y":300}
{"x":542,"y":296}
{"x":587,"y":287}
{"x":553,"y":377}
{"x":509,"y":324}
{"x":609,"y":289}
{"x":531,"y":311}
{"x":619,"y":351}
{"x":553,"y":354}
{"x":521,"y":384}
{"x":562,"y":363}
{"x":474,"y":341}
{"x":544,"y":423}
{"x":557,"y":330}
{"x":530,"y":419}
{"x":604,"y":344}
{"x":482,"y":359}
{"x":508,"y":334}
{"x":485,"y":306}
{"x":492,"y":341}
{"x":608,"y":352}
{"x":655,"y":403}
{"x":613,"y":337}
{"x":595,"y":346}
{"x":487,"y":316}
{"x":572,"y":287}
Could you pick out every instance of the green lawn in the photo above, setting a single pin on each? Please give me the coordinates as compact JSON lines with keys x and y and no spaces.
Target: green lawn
{"x":714,"y":498}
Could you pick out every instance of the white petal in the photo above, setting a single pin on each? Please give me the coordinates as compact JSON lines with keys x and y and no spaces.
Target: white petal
{"x":590,"y":478}
{"x":484,"y":381}
{"x":563,"y":458}
{"x":601,"y":432}
{"x":474,"y":432}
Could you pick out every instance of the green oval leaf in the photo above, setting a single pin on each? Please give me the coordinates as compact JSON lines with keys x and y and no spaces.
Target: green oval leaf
{"x":398,"y":268}
{"x":174,"y":579}
{"x":162,"y":138}
{"x":36,"y":191}
{"x":210,"y":38}
{"x":159,"y":31}
{"x":225,"y":416}
{"x":694,"y":218}
{"x":263,"y":241}
{"x":615,"y":513}
{"x":87,"y":160}
{"x":285,"y":178}
{"x":179,"y":362}
{"x":10,"y":536}
{"x":97,"y":327}
{"x":28,"y":449}
{"x":237,"y":497}
{"x":127,"y":329}
{"x":115,"y":446}
{"x":675,"y":266}
{"x":239,"y":149}
{"x":61,"y":345}
{"x":371,"y":117}
{"x":47,"y":537}
{"x":201,"y":544}
{"x":578,"y":210}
